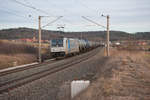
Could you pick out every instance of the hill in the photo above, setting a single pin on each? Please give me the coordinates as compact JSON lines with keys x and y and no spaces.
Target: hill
{"x":18,"y":33}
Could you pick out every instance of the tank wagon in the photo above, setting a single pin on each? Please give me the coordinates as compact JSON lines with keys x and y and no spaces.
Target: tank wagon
{"x":70,"y":46}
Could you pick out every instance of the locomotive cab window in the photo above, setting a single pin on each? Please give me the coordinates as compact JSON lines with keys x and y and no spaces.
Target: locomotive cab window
{"x":57,"y":43}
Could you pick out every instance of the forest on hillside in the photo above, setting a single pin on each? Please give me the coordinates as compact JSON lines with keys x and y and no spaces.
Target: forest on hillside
{"x":18,"y":33}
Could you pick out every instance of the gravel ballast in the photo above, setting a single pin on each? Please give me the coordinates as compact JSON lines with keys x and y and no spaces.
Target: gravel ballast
{"x":56,"y":86}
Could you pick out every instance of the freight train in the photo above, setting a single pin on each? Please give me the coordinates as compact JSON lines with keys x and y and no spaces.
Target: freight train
{"x":70,"y":46}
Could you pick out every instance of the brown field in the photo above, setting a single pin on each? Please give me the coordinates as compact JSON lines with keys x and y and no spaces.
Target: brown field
{"x":20,"y":59}
{"x":134,"y":47}
{"x":9,"y":47}
{"x":125,"y":77}
{"x":16,"y":53}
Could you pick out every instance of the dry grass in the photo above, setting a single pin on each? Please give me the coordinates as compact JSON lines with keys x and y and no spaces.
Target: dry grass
{"x":21,"y":53}
{"x":135,"y":47}
{"x":133,"y":56}
{"x":14,"y":48}
{"x":125,"y":77}
{"x":8,"y":60}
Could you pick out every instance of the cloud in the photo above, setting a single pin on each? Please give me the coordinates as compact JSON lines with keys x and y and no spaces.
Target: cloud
{"x":127,"y":15}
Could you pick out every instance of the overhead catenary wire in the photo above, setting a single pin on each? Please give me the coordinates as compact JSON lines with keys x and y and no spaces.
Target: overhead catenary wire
{"x":64,"y":10}
{"x":32,"y":7}
{"x":93,"y":21}
{"x":82,"y":4}
{"x":27,"y":4}
{"x":52,"y":21}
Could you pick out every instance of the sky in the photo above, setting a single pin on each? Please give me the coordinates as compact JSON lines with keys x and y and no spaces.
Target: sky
{"x":125,"y":15}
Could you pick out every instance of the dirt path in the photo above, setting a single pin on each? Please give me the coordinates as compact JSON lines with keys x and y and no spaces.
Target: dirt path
{"x":126,"y":76}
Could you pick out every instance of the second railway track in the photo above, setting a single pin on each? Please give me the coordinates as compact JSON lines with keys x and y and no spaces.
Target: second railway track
{"x":5,"y":86}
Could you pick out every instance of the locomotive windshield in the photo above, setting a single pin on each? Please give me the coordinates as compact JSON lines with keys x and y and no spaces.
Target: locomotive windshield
{"x":57,"y":43}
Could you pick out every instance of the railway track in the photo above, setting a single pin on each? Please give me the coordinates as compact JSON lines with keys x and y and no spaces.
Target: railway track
{"x":32,"y":66}
{"x":29,"y":67}
{"x":8,"y":85}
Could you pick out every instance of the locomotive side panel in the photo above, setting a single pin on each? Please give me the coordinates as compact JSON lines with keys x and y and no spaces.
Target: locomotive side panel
{"x":73,"y":45}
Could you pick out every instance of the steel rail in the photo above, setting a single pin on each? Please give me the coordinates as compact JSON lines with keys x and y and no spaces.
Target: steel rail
{"x":9,"y":85}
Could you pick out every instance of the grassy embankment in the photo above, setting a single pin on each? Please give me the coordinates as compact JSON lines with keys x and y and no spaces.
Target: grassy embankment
{"x":125,"y":77}
{"x":13,"y":53}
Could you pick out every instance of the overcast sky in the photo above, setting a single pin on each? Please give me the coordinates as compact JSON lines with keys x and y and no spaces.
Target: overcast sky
{"x":125,"y":15}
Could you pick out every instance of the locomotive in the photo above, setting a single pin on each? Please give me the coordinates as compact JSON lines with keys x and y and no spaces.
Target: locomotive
{"x":70,"y":46}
